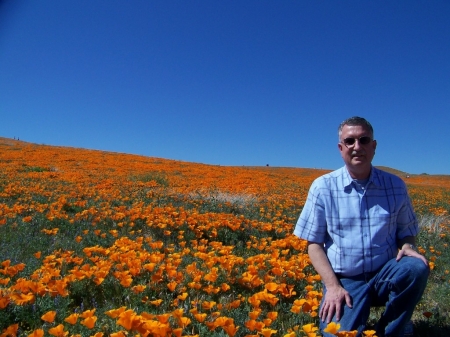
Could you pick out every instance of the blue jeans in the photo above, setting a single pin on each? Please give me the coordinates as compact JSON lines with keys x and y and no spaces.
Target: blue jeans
{"x":398,"y":286}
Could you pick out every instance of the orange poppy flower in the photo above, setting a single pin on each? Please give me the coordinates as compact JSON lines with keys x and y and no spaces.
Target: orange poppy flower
{"x":310,"y":330}
{"x":163,"y":318}
{"x":58,"y":331}
{"x":177,"y":332}
{"x":230,"y":329}
{"x":49,"y":316}
{"x":37,"y":333}
{"x":200,"y":317}
{"x":156,"y":302}
{"x":98,"y":334}
{"x":118,"y":334}
{"x":4,"y":281}
{"x":272,"y":286}
{"x":138,"y":288}
{"x":347,"y":333}
{"x":114,"y":313}
{"x":4,"y":301}
{"x":172,"y":285}
{"x":88,"y":313}
{"x":208,"y":305}
{"x":89,"y":322}
{"x":267,"y":321}
{"x":183,"y":296}
{"x":126,"y":319}
{"x":332,"y":328}
{"x":255,"y":302}
{"x":293,"y":334}
{"x":254,"y":314}
{"x":267,"y":332}
{"x":21,"y":299}
{"x":225,"y":287}
{"x":369,"y":333}
{"x":183,"y":321}
{"x":72,"y":319}
{"x":253,"y":325}
{"x":125,"y":279}
{"x":11,"y":330}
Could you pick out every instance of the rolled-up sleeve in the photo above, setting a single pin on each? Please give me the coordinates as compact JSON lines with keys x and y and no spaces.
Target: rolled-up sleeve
{"x":311,"y":224}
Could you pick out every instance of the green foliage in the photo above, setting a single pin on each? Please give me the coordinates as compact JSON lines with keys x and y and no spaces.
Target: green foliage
{"x":433,"y":241}
{"x":34,"y":169}
{"x":20,"y":240}
{"x":158,"y":177}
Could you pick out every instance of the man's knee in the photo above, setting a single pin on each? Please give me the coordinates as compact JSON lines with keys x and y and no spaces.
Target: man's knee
{"x":412,"y":271}
{"x":416,"y":266}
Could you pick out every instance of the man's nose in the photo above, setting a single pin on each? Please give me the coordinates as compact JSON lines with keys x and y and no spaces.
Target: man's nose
{"x":357,"y":144}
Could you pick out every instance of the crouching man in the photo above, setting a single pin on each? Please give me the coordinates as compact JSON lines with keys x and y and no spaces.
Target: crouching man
{"x":361,"y":228}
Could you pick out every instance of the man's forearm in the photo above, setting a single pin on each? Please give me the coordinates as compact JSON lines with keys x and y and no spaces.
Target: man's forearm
{"x":335,"y":294}
{"x":322,"y":265}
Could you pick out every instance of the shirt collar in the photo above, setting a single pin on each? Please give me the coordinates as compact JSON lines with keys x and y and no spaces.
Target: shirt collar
{"x":373,"y":178}
{"x":347,"y":179}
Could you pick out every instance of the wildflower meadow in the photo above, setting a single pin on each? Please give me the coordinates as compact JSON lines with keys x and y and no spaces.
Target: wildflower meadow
{"x":95,"y":243}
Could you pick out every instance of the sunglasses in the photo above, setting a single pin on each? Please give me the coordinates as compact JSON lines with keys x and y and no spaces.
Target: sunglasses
{"x":350,"y":141}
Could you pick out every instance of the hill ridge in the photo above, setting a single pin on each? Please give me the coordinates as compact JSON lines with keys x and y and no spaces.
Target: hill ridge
{"x":11,"y":142}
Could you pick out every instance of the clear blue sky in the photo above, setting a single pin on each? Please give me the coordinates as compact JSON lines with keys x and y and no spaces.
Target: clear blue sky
{"x":229,"y":82}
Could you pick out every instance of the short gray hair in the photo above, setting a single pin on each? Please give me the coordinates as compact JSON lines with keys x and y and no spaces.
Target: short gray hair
{"x":355,"y":121}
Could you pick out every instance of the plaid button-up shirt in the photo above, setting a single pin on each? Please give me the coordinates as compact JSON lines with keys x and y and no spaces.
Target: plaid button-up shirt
{"x":359,"y":226}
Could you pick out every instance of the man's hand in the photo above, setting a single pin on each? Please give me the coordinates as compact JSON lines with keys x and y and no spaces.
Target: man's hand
{"x":333,"y":303}
{"x":335,"y":295}
{"x":407,"y":250}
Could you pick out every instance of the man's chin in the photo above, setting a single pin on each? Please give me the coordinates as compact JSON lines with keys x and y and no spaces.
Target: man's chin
{"x":358,"y":162}
{"x":360,"y":165}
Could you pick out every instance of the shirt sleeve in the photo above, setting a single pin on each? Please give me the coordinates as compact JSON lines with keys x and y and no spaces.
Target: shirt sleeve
{"x":311,"y":224}
{"x":407,"y":224}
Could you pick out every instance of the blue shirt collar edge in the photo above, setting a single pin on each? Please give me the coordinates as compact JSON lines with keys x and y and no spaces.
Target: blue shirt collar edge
{"x":373,"y":178}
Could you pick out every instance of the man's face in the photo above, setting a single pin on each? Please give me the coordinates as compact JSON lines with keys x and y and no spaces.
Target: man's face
{"x":357,"y":157}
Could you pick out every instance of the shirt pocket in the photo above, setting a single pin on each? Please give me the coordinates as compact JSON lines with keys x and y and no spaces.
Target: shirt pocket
{"x":382,"y":226}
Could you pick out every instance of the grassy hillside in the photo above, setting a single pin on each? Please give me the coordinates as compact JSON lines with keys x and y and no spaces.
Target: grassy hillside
{"x":96,"y":243}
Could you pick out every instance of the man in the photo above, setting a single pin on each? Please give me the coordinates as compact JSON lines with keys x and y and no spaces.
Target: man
{"x":361,"y":228}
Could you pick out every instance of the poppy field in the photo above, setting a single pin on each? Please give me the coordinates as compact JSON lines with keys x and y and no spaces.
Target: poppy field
{"x":95,"y":243}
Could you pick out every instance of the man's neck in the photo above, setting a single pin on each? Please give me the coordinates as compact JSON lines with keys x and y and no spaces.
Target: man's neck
{"x":360,"y":175}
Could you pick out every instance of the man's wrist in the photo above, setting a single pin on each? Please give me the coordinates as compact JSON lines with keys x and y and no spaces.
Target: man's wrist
{"x":409,"y":245}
